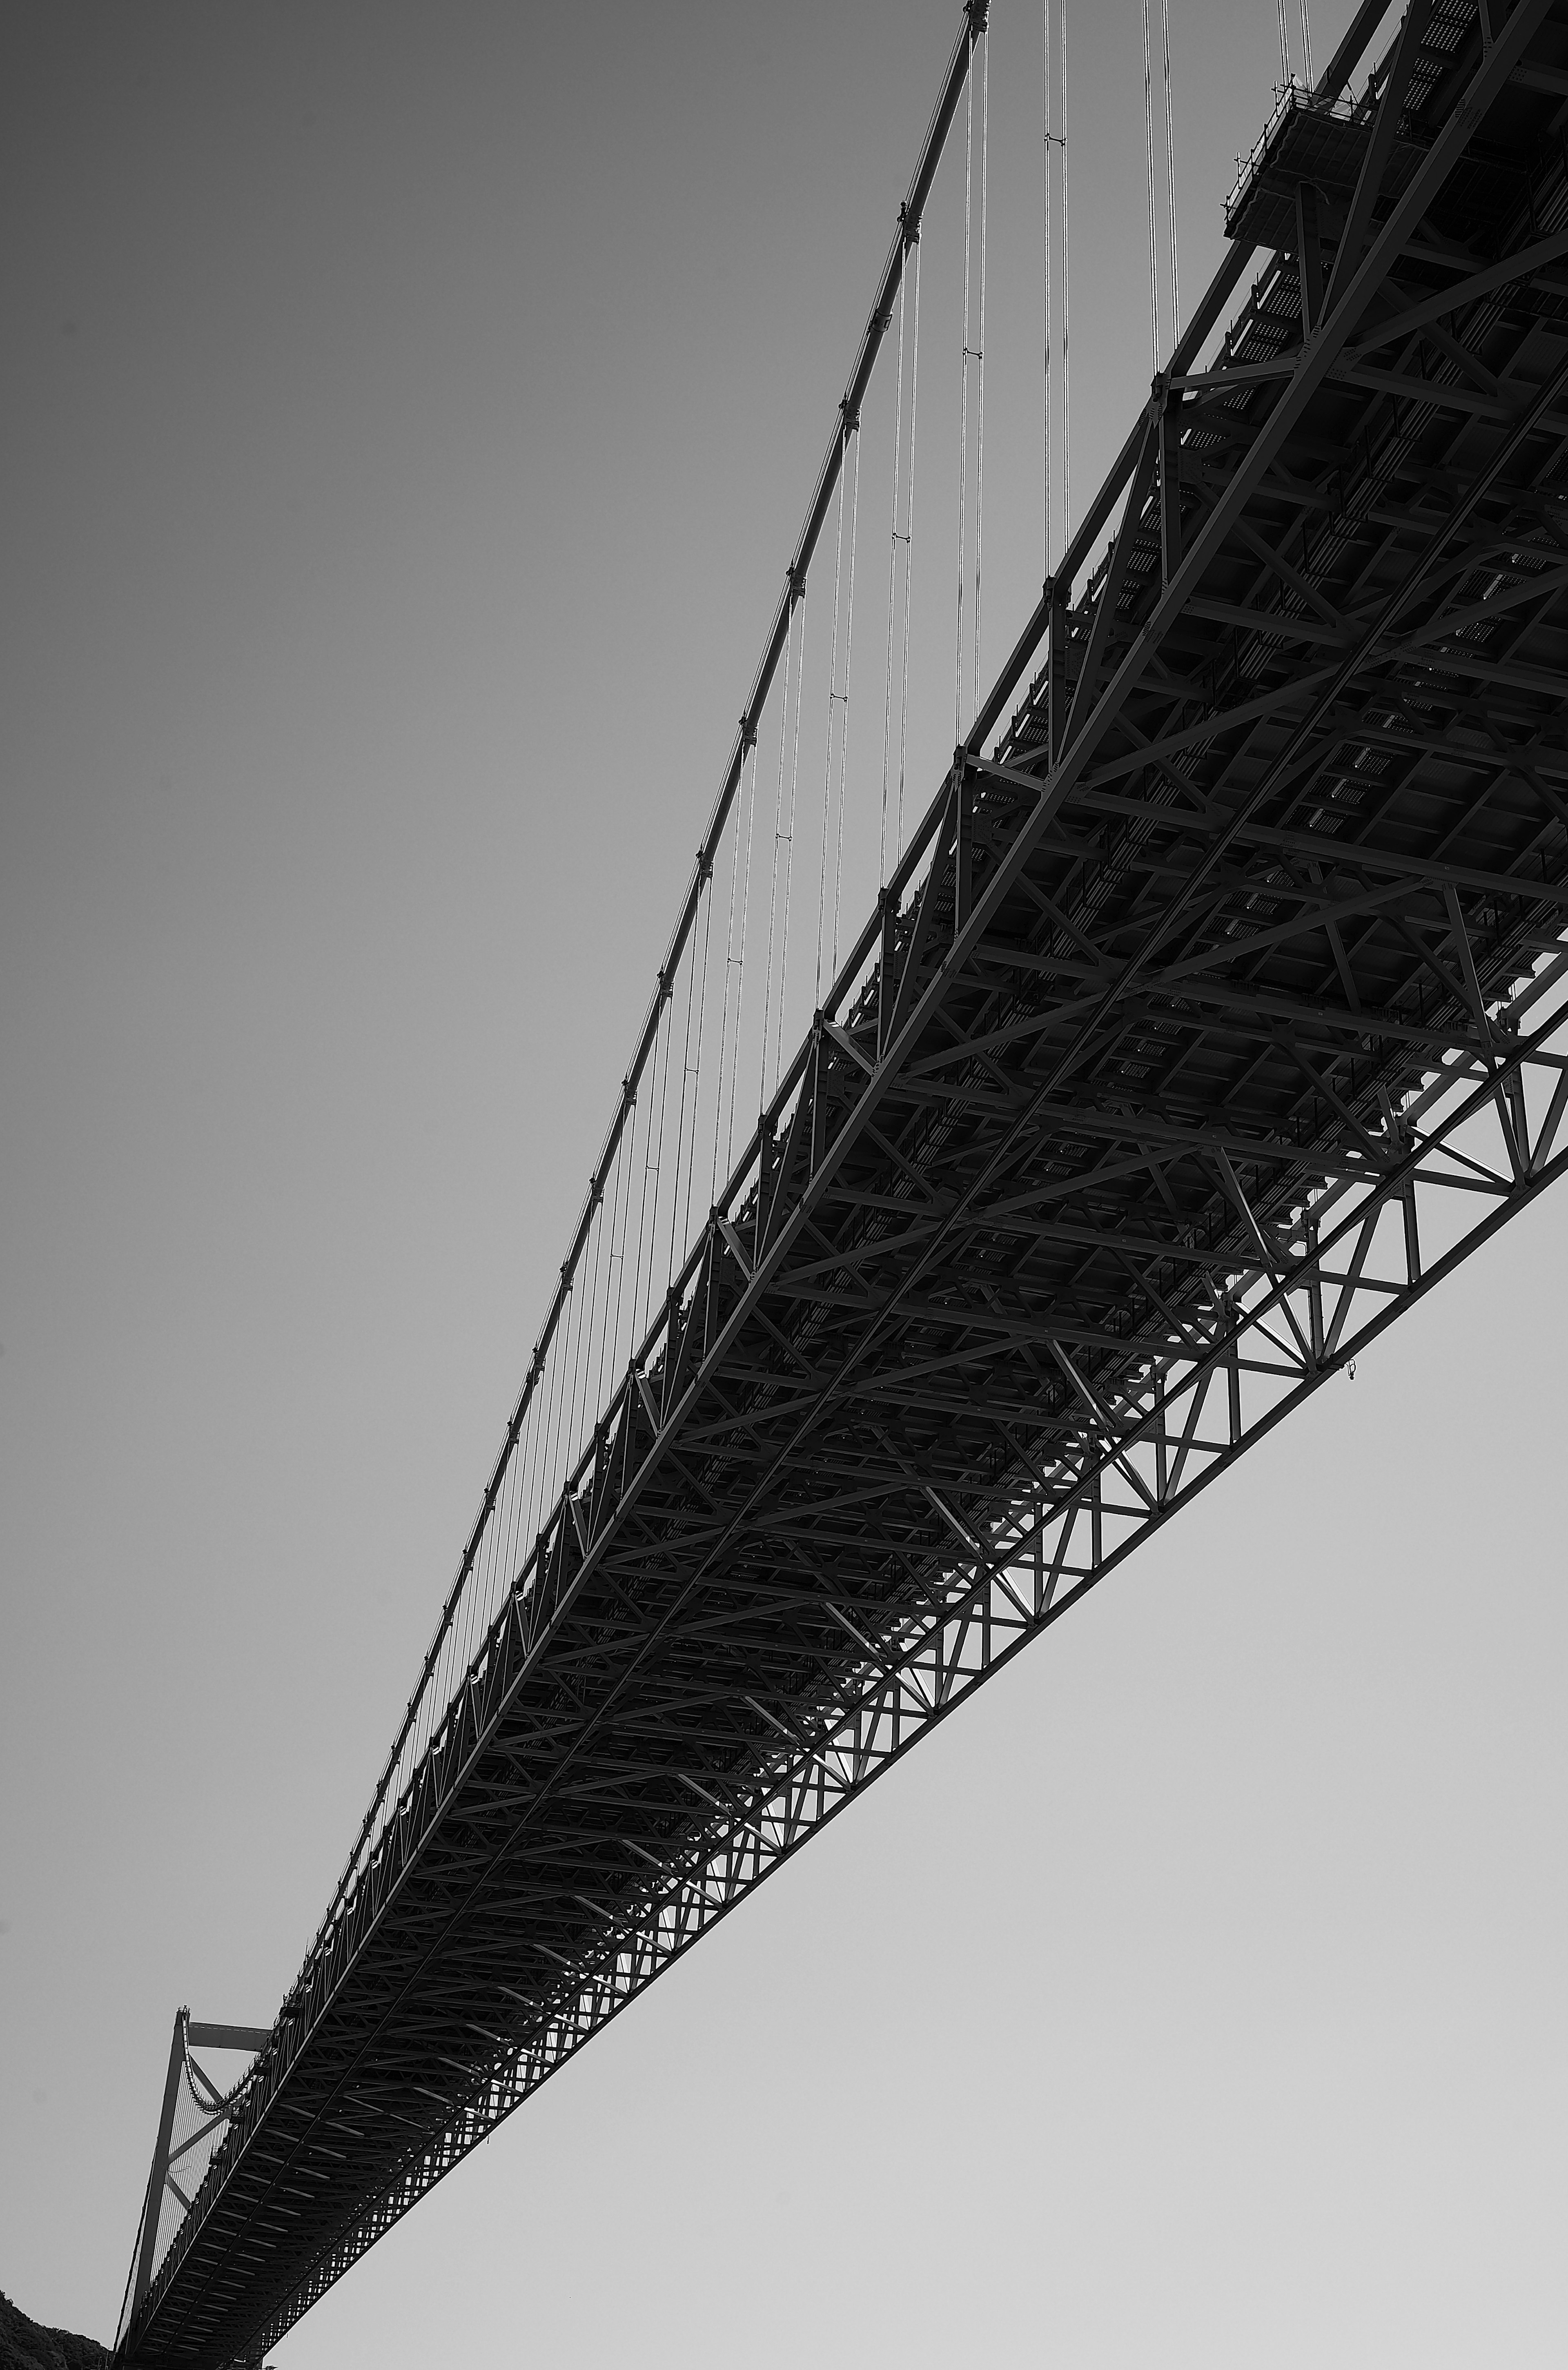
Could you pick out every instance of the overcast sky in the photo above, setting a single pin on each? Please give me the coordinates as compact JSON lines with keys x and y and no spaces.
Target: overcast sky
{"x":408,"y":415}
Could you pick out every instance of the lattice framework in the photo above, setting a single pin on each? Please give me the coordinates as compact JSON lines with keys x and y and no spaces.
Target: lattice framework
{"x":1218,"y":1009}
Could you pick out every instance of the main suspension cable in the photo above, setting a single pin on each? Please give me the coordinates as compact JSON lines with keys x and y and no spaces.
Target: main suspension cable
{"x":634,"y":1108}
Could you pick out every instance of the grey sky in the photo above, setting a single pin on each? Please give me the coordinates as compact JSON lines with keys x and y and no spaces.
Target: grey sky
{"x":407,"y":414}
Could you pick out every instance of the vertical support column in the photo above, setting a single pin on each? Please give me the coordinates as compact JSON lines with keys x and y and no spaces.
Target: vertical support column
{"x":1308,"y":257}
{"x":766,"y":1147}
{"x":811,"y":1084}
{"x":160,"y":2165}
{"x":962,"y":842}
{"x":886,"y":984}
{"x":1170,"y":479}
{"x":1314,"y":1289}
{"x":1518,"y":1122}
{"x":1058,"y":687}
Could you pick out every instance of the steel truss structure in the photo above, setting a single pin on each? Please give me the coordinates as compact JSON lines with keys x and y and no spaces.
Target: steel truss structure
{"x":1219,"y":1009}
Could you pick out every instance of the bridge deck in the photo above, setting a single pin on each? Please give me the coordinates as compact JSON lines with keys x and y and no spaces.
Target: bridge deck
{"x":1125,"y":1132}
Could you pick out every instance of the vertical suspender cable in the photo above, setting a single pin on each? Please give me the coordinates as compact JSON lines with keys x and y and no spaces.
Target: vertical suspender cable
{"x":650,"y":1169}
{"x":973,"y":353}
{"x":583,"y":1363}
{"x":649,"y":1160}
{"x":560,"y":1359}
{"x":496,"y":1563}
{"x":681,"y":1163}
{"x":646,"y":1317}
{"x":838,"y":700}
{"x":584,"y":1335}
{"x":963,"y":410}
{"x":517,"y":1546}
{"x":1148,"y":149}
{"x":778,"y":929}
{"x":607,"y":1331}
{"x":574,"y":1368}
{"x":584,"y":1372}
{"x":891,"y":577}
{"x":1171,"y":170}
{"x":891,"y":283}
{"x":724,"y":1013}
{"x":832,"y":697}
{"x":1045,"y":210}
{"x":685,"y":1228}
{"x":680,"y":1166}
{"x":697,"y":1091}
{"x":908,"y":557}
{"x":903,"y":490}
{"x":1285,"y":77}
{"x":629,"y":1186}
{"x":546,"y":1469}
{"x":584,"y":1295}
{"x":789,"y":847}
{"x":462,"y":1629}
{"x":518,"y":1486}
{"x":536,"y":1462}
{"x":740,"y":980}
{"x":1066,"y":308}
{"x":676,"y":1158}
{"x":552,"y":1381}
{"x":494,"y":1560}
{"x":1306,"y":43}
{"x":844,"y":708}
{"x":773,"y":876}
{"x":980,"y":350}
{"x":634,"y":1322}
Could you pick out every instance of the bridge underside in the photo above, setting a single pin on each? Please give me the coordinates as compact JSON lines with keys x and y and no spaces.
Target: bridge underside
{"x":1213,"y":1014}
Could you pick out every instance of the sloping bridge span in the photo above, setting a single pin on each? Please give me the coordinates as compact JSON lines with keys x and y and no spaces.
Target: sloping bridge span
{"x":1217,"y":1009}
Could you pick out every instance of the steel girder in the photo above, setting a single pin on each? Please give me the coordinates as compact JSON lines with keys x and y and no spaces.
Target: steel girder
{"x":1218,"y":1010}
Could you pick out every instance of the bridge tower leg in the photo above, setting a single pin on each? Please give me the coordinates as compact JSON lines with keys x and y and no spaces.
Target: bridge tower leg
{"x":155,"y":2178}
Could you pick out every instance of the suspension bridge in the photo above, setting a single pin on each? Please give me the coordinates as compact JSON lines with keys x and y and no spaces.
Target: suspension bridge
{"x":1205,"y":1003}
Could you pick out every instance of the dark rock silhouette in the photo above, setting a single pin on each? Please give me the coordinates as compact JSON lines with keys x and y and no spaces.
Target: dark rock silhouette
{"x":25,"y":2346}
